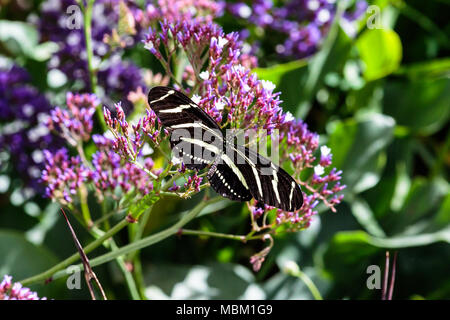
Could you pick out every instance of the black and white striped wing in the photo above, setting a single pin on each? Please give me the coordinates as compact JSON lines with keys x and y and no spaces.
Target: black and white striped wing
{"x":188,"y":123}
{"x":226,"y":182}
{"x":175,"y":109}
{"x":241,"y":174}
{"x":279,"y":189}
{"x":267,"y":182}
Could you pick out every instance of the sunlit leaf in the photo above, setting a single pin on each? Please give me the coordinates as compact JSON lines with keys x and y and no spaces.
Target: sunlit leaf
{"x":381,"y":52}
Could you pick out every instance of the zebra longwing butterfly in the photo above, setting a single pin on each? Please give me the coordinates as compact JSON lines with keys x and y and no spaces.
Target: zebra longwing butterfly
{"x":236,"y":172}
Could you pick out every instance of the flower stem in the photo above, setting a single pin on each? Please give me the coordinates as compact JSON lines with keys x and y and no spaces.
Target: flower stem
{"x":87,"y":21}
{"x":309,"y":283}
{"x":58,"y":272}
{"x":127,"y":274}
{"x":73,"y":258}
{"x":218,"y":235}
{"x":140,"y":231}
{"x":83,"y":193}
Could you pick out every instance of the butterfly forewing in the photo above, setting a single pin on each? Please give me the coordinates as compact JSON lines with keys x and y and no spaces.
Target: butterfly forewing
{"x":187,"y":123}
{"x":173,"y":108}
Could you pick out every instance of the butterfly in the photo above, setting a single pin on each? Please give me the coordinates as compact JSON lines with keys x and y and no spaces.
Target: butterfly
{"x":235,"y":171}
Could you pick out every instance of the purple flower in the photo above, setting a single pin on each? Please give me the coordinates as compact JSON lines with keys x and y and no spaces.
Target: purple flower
{"x":300,"y":24}
{"x":74,"y":124}
{"x":63,"y":175}
{"x":129,"y":139}
{"x":116,"y":77}
{"x":23,"y":135}
{"x":111,"y":172}
{"x":179,"y":10}
{"x":193,"y":183}
{"x":15,"y":291}
{"x":174,"y":187}
{"x":107,"y":171}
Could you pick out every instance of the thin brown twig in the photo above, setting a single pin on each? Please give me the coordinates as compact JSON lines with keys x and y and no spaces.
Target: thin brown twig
{"x":89,"y":274}
{"x":385,"y":279}
{"x":391,"y":285}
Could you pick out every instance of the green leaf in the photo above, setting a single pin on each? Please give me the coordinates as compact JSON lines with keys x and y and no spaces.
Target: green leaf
{"x":44,"y":51}
{"x":434,"y":69}
{"x":421,"y":106}
{"x":363,"y":213}
{"x":347,"y":257}
{"x":347,"y":240}
{"x":47,"y":220}
{"x":22,"y":259}
{"x":21,"y":39}
{"x":331,"y":58}
{"x":18,"y":37}
{"x":357,"y":145}
{"x":424,"y":198}
{"x":356,"y":250}
{"x":442,"y":218}
{"x":284,"y":287}
{"x":351,"y":246}
{"x":138,"y":207}
{"x":381,"y":52}
{"x":217,"y":281}
{"x":287,"y":78}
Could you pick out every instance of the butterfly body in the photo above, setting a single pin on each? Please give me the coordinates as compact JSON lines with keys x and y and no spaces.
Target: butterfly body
{"x":236,"y":172}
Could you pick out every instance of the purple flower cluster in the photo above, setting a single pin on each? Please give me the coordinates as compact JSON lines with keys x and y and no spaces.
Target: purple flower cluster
{"x":75,"y":124}
{"x":302,"y":24}
{"x":22,"y":109}
{"x":183,"y":10}
{"x":116,"y":77}
{"x":15,"y":291}
{"x":193,"y":184}
{"x":110,"y":172}
{"x":129,"y":140}
{"x":65,"y":175}
{"x":236,"y":98}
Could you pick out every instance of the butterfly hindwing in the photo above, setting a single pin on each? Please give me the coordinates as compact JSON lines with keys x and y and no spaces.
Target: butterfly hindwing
{"x":226,"y":183}
{"x":267,"y":182}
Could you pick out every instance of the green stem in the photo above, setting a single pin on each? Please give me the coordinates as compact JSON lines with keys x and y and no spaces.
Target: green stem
{"x":308,"y":282}
{"x":90,"y":56}
{"x":137,"y":270}
{"x":218,"y":235}
{"x":140,"y":231}
{"x":134,"y":257}
{"x":131,"y":284}
{"x":57,"y":272}
{"x":169,"y":183}
{"x":84,"y":206}
{"x":128,"y":275}
{"x":104,"y":218}
{"x":105,"y":215}
{"x":169,"y":194}
{"x":73,"y":258}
